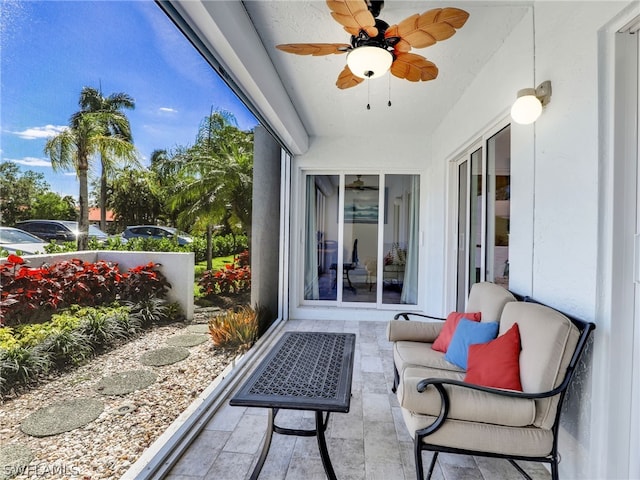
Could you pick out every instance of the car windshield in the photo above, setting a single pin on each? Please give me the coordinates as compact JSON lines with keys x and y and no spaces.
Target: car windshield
{"x":96,"y":232}
{"x":93,"y":231}
{"x":17,"y":236}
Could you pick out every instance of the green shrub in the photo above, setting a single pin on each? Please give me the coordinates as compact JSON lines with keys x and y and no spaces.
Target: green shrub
{"x":21,"y":365}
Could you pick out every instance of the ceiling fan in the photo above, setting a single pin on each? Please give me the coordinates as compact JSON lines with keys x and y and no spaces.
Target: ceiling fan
{"x":358,"y":184}
{"x":377,"y":47}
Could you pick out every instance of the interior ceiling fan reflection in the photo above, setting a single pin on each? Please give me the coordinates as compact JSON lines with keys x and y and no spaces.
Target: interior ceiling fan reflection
{"x":358,"y":184}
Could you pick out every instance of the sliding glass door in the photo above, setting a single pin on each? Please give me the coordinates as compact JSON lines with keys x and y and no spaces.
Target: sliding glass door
{"x":361,"y":238}
{"x":484,"y":191}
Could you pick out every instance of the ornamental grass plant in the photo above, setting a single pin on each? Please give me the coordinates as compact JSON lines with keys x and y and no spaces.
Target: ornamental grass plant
{"x":235,"y":328}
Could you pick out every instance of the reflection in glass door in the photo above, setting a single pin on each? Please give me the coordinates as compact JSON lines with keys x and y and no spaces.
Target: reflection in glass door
{"x":360,"y":237}
{"x":364,"y":249}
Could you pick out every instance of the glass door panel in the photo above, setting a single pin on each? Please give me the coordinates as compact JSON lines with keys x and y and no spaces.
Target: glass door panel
{"x":399,"y":269}
{"x":498,"y":206}
{"x":360,"y":238}
{"x":463,"y":219}
{"x":475,"y":219}
{"x":320,"y":251}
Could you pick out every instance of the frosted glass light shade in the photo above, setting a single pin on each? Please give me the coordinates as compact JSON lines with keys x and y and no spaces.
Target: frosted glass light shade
{"x":527,"y":108}
{"x":369,"y":62}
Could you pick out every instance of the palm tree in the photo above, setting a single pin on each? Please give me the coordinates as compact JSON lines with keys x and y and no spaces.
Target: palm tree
{"x":92,"y":100}
{"x":74,"y":147}
{"x":214,"y":182}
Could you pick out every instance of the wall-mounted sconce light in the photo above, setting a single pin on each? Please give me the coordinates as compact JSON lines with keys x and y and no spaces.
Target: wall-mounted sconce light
{"x":528,"y":106}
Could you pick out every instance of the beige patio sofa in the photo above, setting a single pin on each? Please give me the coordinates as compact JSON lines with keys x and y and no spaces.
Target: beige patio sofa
{"x":443,"y":413}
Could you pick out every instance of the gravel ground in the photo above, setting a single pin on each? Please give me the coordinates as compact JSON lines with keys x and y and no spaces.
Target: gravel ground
{"x":108,"y":446}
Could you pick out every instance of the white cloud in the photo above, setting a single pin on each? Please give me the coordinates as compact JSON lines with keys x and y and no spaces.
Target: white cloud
{"x":32,"y":162}
{"x":167,"y":110}
{"x":34,"y":133}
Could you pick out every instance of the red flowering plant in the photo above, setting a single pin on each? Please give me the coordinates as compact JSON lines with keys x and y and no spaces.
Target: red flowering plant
{"x":233,"y":278}
{"x":33,"y":294}
{"x":143,"y":282}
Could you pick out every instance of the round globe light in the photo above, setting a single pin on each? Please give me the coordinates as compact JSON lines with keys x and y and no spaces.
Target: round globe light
{"x":369,"y":61}
{"x":527,"y":108}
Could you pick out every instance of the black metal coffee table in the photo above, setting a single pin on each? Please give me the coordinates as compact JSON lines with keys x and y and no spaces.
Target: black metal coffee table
{"x":304,"y":371}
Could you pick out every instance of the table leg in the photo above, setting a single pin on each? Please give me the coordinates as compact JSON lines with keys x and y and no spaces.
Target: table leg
{"x":265,"y":446}
{"x":321,"y":425}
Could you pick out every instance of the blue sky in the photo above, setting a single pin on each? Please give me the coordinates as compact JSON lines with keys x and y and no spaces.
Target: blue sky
{"x":50,"y":50}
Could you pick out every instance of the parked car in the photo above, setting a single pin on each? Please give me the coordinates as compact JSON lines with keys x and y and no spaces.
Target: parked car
{"x":15,"y":240}
{"x":156,"y":231}
{"x":59,"y":230}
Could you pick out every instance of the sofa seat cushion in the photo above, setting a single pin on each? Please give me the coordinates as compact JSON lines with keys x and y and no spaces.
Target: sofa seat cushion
{"x":407,"y":354}
{"x":465,"y":404}
{"x":499,"y":439}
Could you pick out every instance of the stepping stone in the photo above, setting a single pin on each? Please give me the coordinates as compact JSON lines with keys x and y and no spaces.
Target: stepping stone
{"x":198,"y":328}
{"x":13,"y":460}
{"x":164,"y":356}
{"x":125,"y":382}
{"x":187,"y":340}
{"x":62,"y":417}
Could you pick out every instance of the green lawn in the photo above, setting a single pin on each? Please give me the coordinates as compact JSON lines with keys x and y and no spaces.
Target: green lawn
{"x":218,"y":263}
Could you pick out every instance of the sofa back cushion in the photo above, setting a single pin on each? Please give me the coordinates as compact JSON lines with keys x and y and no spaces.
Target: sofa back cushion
{"x":489,"y":299}
{"x":548,"y":340}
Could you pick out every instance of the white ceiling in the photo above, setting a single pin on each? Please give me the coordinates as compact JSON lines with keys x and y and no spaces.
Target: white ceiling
{"x":296,"y":95}
{"x":417,"y":107}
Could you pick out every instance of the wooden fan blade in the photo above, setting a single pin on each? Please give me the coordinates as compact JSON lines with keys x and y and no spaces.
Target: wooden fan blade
{"x":413,"y":67}
{"x":430,"y":27}
{"x":315,"y":49}
{"x":353,"y":15}
{"x":347,"y":79}
{"x":402,"y":45}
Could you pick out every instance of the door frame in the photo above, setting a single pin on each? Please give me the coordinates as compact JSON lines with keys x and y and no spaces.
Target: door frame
{"x":615,"y":363}
{"x":464,"y":154}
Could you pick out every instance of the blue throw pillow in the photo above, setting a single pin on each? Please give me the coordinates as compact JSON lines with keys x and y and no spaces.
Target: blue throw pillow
{"x":469,"y":333}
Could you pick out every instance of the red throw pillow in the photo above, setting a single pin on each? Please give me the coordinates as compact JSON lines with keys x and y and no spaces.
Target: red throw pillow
{"x":441,"y":344}
{"x":496,"y":363}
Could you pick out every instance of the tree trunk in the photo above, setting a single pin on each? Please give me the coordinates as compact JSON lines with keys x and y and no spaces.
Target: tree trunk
{"x":103,"y":197}
{"x":209,"y":246}
{"x":83,"y":216}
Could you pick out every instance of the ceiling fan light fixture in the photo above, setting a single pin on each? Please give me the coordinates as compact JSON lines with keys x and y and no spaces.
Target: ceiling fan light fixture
{"x":369,"y":61}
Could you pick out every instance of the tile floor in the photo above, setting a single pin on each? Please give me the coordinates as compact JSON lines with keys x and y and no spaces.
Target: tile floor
{"x":370,"y":442}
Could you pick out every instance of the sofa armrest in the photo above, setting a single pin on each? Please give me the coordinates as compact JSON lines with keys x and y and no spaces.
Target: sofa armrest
{"x":425,"y":332}
{"x":445,"y":403}
{"x":406,"y":315}
{"x":423,"y":384}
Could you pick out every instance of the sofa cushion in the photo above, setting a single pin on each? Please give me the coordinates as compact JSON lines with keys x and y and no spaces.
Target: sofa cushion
{"x":409,"y":354}
{"x":441,"y":343}
{"x":469,"y":333}
{"x":415,"y":331}
{"x":465,"y":403}
{"x":525,"y":441}
{"x":496,"y":363}
{"x":548,"y":340}
{"x":490,"y":299}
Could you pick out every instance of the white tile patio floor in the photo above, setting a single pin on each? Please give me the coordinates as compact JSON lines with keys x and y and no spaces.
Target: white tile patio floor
{"x":370,"y":442}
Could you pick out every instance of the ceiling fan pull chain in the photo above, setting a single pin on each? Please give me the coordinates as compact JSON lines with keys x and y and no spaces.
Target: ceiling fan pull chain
{"x":389,"y":102}
{"x":368,"y":94}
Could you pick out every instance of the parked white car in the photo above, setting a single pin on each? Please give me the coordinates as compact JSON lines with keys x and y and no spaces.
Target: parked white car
{"x":15,"y":240}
